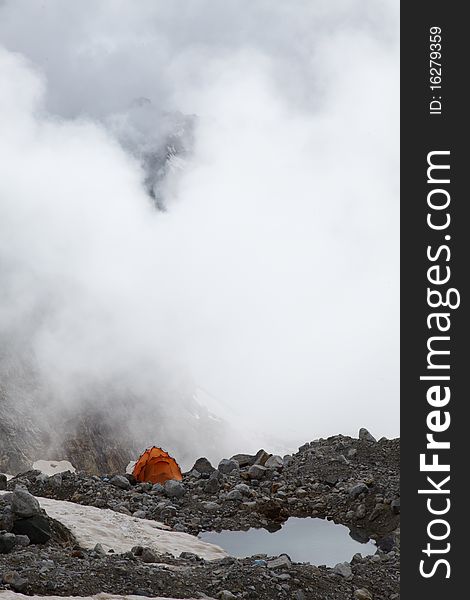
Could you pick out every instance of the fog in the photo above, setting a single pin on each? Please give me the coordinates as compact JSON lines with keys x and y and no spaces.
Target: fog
{"x":267,"y":290}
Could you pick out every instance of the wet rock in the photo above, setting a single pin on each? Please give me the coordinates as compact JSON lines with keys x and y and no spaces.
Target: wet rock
{"x":24,"y":504}
{"x":174,"y":489}
{"x":203,"y":465}
{"x":120,"y":482}
{"x":227,"y":466}
{"x":366,"y":436}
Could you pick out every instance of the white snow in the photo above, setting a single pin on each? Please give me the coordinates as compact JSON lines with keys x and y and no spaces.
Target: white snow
{"x":119,"y":532}
{"x":51,"y":467}
{"x":8,"y":595}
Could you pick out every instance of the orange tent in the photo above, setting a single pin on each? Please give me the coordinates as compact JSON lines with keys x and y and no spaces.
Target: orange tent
{"x":156,"y":466}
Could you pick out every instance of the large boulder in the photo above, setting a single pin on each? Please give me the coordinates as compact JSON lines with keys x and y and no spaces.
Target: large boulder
{"x":366,"y":436}
{"x":24,"y":504}
{"x":203,"y":465}
{"x":37,"y":529}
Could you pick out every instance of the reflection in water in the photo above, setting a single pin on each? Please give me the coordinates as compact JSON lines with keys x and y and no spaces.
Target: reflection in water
{"x":317,"y":541}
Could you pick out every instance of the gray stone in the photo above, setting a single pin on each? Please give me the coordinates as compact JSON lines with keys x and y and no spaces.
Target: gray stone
{"x":158,"y":488}
{"x":395,"y":506}
{"x":203,"y":465}
{"x":257,"y":471}
{"x":150,"y":556}
{"x":274,"y":462}
{"x":212,"y":486}
{"x":343,"y":569}
{"x":358,"y":489}
{"x":24,"y":504}
{"x":22,"y":540}
{"x":211,"y":506}
{"x":140,"y":514}
{"x":365,"y":436}
{"x":243,"y":488}
{"x":281,"y":562}
{"x":244,"y":460}
{"x":363,"y":594}
{"x":228,"y":465}
{"x":261,"y":457}
{"x":235,"y":496}
{"x":360,"y":511}
{"x":120,"y":482}
{"x":174,"y":489}
{"x":226,"y":595}
{"x":7,"y":542}
{"x":15,"y":581}
{"x":3,"y":481}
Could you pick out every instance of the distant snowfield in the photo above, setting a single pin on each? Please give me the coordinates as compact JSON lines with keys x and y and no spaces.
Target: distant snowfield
{"x":8,"y":595}
{"x":91,"y":526}
{"x":51,"y":467}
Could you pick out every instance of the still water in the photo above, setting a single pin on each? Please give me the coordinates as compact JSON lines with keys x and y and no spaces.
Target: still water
{"x":316,"y":541}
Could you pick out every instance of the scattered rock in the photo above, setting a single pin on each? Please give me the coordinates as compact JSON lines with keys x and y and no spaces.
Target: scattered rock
{"x":227,"y":466}
{"x":121,"y":482}
{"x":7,"y":542}
{"x":150,"y":556}
{"x":174,"y":489}
{"x":15,"y":581}
{"x":358,"y":489}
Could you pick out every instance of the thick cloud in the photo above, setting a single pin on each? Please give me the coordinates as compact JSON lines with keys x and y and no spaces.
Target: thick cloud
{"x":270,"y":284}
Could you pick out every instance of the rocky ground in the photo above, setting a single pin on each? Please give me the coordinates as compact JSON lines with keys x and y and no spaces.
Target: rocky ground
{"x":354,"y":482}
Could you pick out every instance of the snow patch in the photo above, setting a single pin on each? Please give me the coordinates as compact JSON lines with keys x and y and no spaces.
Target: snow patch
{"x":51,"y":467}
{"x":119,"y":532}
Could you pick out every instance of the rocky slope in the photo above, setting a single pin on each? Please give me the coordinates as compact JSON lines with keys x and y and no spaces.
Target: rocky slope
{"x":351,"y":481}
